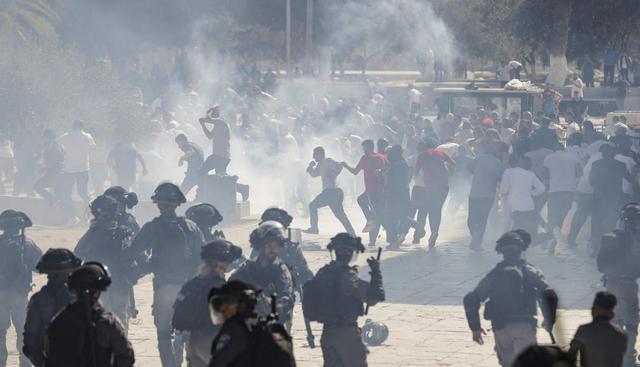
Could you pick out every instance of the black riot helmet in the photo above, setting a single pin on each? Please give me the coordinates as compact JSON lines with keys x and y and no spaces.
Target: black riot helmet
{"x":220,"y":250}
{"x":234,"y":292}
{"x":630,"y":216}
{"x":128,"y":199}
{"x":266,"y":232}
{"x":346,"y":240}
{"x":277,"y":214}
{"x":205,"y":215}
{"x":103,"y":204}
{"x":516,"y":238}
{"x":168,"y":193}
{"x":13,"y":219}
{"x":58,"y":260}
{"x":92,"y":276}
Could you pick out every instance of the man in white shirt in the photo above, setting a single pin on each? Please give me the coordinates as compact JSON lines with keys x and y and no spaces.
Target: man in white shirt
{"x":415,"y":99}
{"x":77,"y":146}
{"x":563,"y":169}
{"x":520,"y":186}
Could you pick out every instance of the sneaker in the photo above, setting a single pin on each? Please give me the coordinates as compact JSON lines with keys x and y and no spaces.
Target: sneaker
{"x":370,"y":226}
{"x":311,"y":230}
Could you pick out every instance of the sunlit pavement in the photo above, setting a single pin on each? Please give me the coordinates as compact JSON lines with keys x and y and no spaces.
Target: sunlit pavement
{"x":424,"y":295}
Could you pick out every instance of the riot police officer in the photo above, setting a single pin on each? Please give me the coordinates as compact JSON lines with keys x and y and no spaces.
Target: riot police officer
{"x":206,"y":216}
{"x":513,"y":288}
{"x":18,"y":258}
{"x":190,"y":310}
{"x":107,"y":241}
{"x":126,"y":200}
{"x":618,"y":260}
{"x":57,"y":264}
{"x":336,"y":296}
{"x":267,"y":272}
{"x":83,"y":333}
{"x":168,"y":246}
{"x":291,"y":252}
{"x":244,"y":338}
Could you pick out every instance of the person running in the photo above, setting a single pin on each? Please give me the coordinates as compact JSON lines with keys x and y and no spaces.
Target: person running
{"x":372,"y":200}
{"x":432,"y":164}
{"x":332,"y":196}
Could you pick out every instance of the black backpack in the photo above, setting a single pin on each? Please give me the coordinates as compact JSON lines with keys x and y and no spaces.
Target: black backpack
{"x":510,"y":293}
{"x":68,"y":340}
{"x":266,"y":351}
{"x":318,"y":303}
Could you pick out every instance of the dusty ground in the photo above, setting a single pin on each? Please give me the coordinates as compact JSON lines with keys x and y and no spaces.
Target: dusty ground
{"x":424,"y":296}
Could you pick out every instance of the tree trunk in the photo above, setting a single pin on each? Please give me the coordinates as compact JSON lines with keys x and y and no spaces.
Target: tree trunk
{"x":561,"y":12}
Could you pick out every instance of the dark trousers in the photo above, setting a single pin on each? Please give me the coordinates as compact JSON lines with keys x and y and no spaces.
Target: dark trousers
{"x":430,"y":204}
{"x":342,"y":347}
{"x":584,"y":207}
{"x":49,"y":186}
{"x":604,"y":216}
{"x":528,"y":220}
{"x":216,"y":163}
{"x":332,"y":198}
{"x":81,"y":181}
{"x":397,"y":223}
{"x":558,"y":207}
{"x":372,"y":206}
{"x":191,"y":180}
{"x":608,"y":75}
{"x":479,"y":210}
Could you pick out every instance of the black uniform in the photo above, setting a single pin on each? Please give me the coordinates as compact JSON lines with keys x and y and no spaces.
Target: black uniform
{"x":232,"y":344}
{"x":272,"y":278}
{"x":341,"y":340}
{"x":618,"y":260}
{"x":173,"y":244}
{"x":18,"y":258}
{"x":43,"y":306}
{"x":69,"y":339}
{"x":191,"y":313}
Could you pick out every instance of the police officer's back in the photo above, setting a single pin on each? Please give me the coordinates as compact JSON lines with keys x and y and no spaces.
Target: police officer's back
{"x":126,"y":200}
{"x":191,"y":311}
{"x":18,"y":258}
{"x":268,"y":273}
{"x":206,"y":216}
{"x":83,"y":333}
{"x":600,"y":343}
{"x":618,"y":261}
{"x":513,"y":289}
{"x":336,"y":297}
{"x":245,"y":340}
{"x":57,"y":264}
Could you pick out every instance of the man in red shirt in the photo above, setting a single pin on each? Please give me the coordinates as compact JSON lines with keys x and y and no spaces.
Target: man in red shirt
{"x":431,"y":163}
{"x":371,"y":201}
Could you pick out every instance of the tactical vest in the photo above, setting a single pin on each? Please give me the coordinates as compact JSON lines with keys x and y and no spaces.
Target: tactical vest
{"x":172,"y":257}
{"x":14,"y":273}
{"x":512,"y":296}
{"x":618,"y":256}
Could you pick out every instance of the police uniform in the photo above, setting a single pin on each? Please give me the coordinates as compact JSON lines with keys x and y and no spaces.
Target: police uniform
{"x":341,"y":339}
{"x":107,"y":241}
{"x":168,"y":246}
{"x":618,"y":260}
{"x":230,"y":347}
{"x":512,"y":289}
{"x":48,"y":301}
{"x":206,"y":216}
{"x":191,"y":311}
{"x":18,"y":258}
{"x":83,"y":333}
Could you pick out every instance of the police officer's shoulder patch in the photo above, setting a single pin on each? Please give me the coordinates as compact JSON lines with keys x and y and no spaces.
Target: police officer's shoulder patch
{"x":223,"y":341}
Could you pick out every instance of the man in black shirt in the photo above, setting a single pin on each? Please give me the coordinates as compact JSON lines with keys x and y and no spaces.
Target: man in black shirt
{"x":578,"y":107}
{"x":194,"y":157}
{"x":53,"y":158}
{"x":600,"y":343}
{"x":122,"y":159}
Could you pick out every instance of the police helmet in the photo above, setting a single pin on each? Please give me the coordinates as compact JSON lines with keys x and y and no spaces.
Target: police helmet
{"x":168,"y":193}
{"x":234,"y":291}
{"x":129,"y":199}
{"x":346,"y":240}
{"x":103,"y":204}
{"x":204,"y":214}
{"x":266,"y":232}
{"x":518,"y":237}
{"x":374,"y":333}
{"x":630,"y":213}
{"x":14,"y":219}
{"x":57,"y":260}
{"x":91,"y":276}
{"x":220,"y":250}
{"x":277,"y":214}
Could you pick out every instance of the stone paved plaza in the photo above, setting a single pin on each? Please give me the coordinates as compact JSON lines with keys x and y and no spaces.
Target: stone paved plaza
{"x":424,"y":295}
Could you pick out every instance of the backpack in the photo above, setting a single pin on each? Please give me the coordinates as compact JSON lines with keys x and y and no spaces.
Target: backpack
{"x":14,"y":273}
{"x":510,"y":294}
{"x":171,"y":250}
{"x":318,"y":303}
{"x":68,"y":341}
{"x":266,"y":351}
